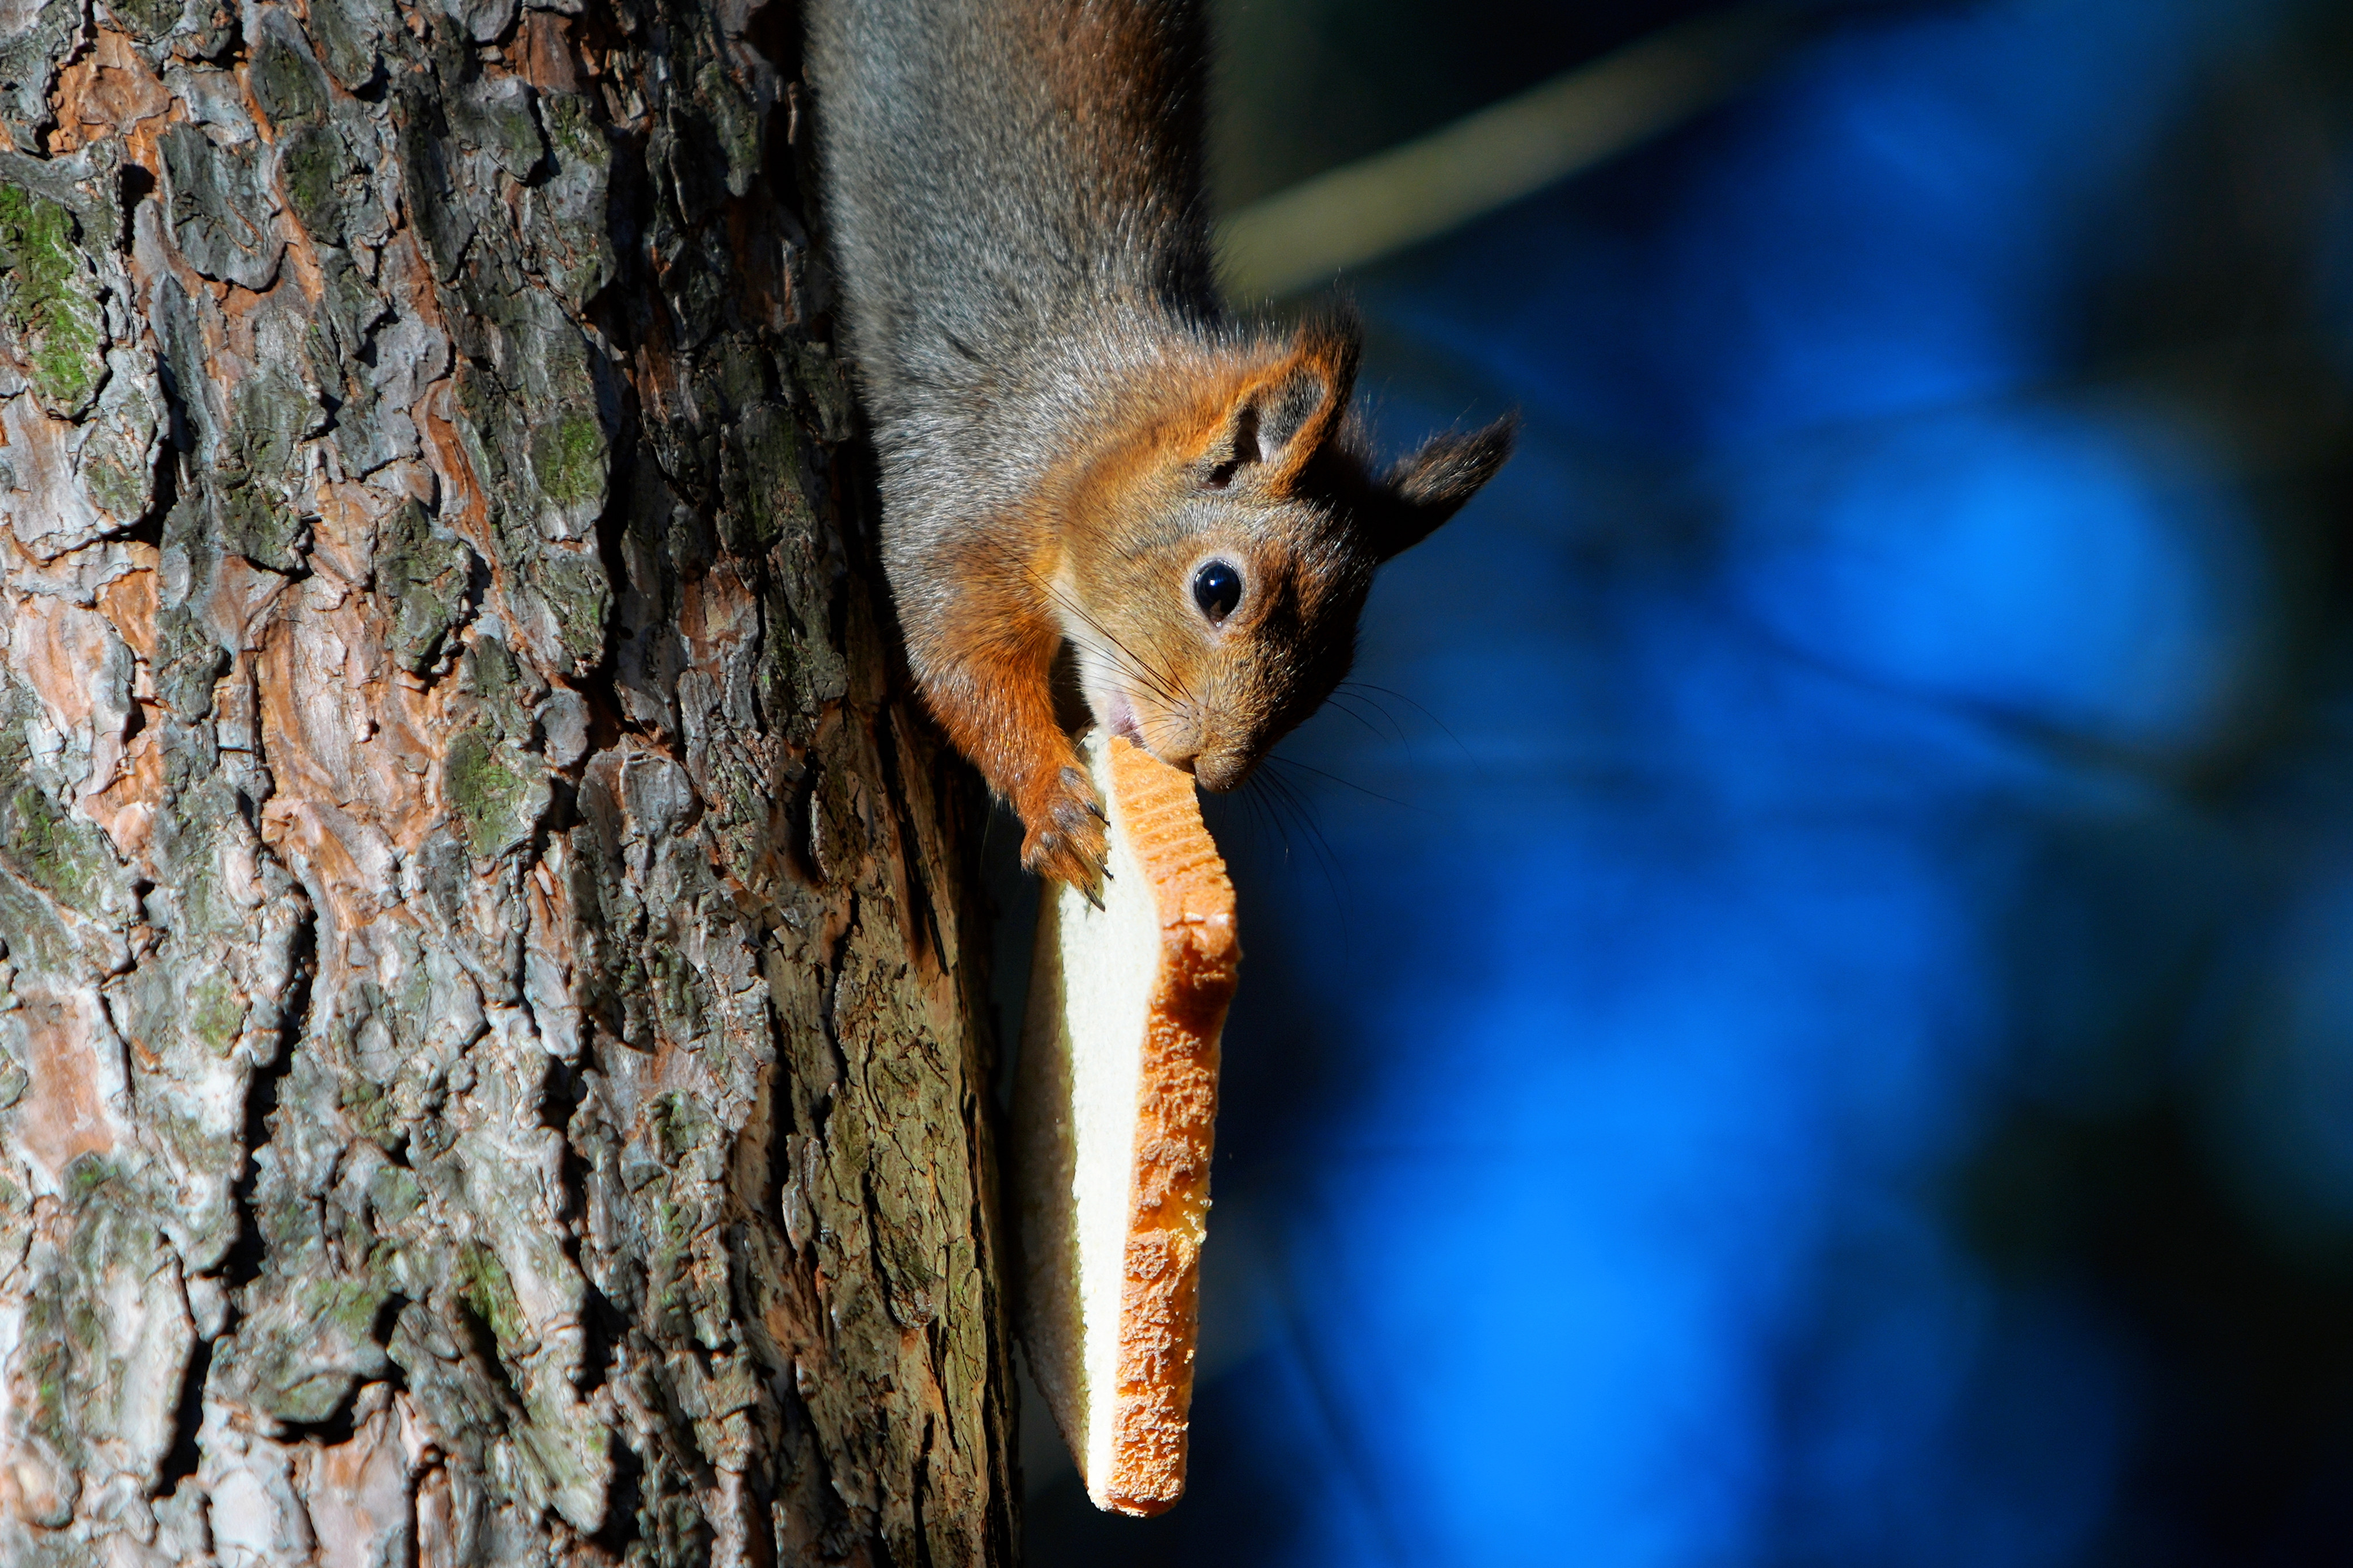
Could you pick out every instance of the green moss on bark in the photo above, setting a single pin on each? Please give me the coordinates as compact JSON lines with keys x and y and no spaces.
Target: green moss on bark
{"x":497,"y":790}
{"x":49,"y":300}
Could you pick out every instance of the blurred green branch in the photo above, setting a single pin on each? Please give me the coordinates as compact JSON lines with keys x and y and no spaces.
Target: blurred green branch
{"x":1360,"y":212}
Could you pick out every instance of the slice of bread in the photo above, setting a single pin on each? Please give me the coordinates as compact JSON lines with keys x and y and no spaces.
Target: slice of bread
{"x":1113,"y":1102}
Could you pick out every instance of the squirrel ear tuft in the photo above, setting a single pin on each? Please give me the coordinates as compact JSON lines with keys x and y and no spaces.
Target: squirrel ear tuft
{"x":1281,"y":417}
{"x":1430,"y":487}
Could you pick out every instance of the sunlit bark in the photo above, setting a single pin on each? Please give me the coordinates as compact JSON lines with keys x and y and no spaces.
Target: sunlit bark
{"x":488,"y":1061}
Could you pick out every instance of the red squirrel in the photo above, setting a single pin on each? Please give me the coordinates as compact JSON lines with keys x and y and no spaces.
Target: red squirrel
{"x":1078,"y":444}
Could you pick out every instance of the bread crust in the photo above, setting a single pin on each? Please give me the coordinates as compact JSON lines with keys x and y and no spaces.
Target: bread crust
{"x":1195,"y":958}
{"x":1176,"y":1107}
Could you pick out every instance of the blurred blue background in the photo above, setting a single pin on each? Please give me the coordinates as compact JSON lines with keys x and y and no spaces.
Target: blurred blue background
{"x":1802,"y":1014}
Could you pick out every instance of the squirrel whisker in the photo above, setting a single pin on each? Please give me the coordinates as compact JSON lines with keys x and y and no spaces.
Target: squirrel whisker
{"x":1273,"y":760}
{"x":1161,"y":686}
{"x":1371,"y":693}
{"x":1288,"y":806}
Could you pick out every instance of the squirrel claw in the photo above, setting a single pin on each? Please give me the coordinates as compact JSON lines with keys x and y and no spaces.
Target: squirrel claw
{"x":1056,"y":856}
{"x":1066,"y":839}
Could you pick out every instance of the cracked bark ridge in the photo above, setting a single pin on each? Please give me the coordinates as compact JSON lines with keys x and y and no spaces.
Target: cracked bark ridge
{"x":488,"y":1060}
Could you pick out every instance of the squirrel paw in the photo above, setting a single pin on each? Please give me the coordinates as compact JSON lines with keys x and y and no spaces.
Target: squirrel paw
{"x":1065,"y":838}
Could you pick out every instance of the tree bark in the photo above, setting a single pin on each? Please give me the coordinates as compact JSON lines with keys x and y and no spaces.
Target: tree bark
{"x":490,"y":1067}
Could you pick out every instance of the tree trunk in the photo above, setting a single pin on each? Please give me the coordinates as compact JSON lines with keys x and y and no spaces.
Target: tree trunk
{"x":488,"y":1059}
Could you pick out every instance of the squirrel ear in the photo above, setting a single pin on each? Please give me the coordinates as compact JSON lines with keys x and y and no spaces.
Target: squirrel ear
{"x":1430,"y":487}
{"x":1281,"y":417}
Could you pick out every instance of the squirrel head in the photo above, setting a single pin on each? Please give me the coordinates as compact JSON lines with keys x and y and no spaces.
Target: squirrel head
{"x":1215,"y":557}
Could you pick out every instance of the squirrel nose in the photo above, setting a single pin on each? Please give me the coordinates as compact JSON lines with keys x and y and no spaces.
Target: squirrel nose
{"x":1217,"y":774}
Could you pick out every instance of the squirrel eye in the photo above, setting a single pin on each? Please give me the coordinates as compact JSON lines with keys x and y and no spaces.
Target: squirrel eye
{"x":1217,"y":588}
